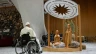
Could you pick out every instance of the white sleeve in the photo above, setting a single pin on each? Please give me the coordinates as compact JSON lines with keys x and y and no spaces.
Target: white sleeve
{"x":32,"y":33}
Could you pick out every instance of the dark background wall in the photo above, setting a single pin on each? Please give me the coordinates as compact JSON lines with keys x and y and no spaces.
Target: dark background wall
{"x":88,"y":17}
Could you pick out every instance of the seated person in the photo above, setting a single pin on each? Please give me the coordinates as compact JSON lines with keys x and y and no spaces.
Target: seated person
{"x":57,"y":43}
{"x":52,"y":36}
{"x":45,"y":39}
{"x":29,"y":30}
{"x":57,"y":38}
{"x":6,"y":31}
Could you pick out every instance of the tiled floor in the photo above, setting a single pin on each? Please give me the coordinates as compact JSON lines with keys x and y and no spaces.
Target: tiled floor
{"x":91,"y":49}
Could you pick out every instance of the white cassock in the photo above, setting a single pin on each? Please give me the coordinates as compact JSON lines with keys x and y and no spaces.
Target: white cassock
{"x":25,"y":30}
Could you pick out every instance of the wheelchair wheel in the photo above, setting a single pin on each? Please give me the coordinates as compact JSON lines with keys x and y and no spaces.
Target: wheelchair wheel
{"x":31,"y":47}
{"x":19,"y":49}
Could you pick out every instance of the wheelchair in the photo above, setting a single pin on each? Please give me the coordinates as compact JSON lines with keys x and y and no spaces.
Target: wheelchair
{"x":27,"y":45}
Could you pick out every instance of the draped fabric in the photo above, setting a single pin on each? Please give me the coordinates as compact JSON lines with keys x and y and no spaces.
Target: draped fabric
{"x":32,"y":11}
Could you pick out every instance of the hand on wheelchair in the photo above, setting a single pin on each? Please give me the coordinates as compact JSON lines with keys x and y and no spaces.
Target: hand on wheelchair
{"x":33,"y":38}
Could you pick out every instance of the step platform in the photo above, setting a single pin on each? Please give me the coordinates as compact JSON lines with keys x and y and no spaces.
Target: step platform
{"x":50,"y":49}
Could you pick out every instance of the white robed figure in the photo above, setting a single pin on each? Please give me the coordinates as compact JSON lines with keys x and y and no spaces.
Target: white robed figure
{"x":28,"y":29}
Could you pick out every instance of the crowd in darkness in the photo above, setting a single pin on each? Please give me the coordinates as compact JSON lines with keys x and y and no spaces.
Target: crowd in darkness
{"x":10,"y":22}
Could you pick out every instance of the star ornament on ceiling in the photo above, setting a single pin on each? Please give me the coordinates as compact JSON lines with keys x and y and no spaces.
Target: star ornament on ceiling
{"x":63,"y":9}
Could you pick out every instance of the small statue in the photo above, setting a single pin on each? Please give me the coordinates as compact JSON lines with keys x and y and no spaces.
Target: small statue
{"x":68,"y":35}
{"x":57,"y":43}
{"x":57,"y":38}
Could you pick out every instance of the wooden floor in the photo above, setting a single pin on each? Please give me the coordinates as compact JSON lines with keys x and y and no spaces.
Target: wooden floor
{"x":50,"y":49}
